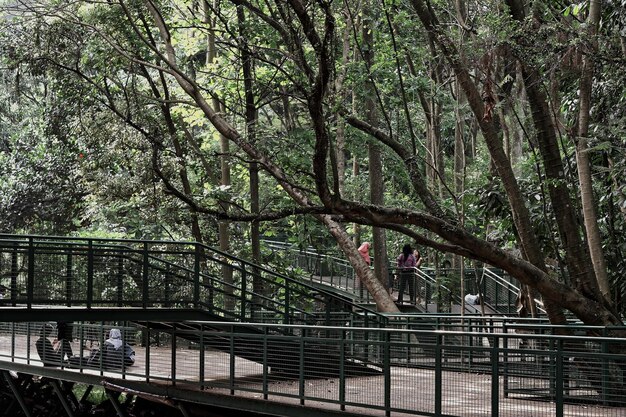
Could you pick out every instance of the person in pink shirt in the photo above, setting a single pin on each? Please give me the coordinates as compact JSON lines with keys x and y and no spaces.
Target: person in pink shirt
{"x":364,"y":250}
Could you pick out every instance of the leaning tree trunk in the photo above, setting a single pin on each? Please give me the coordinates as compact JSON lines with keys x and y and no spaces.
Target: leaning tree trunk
{"x":594,"y":240}
{"x":521,"y":217}
{"x":577,"y":258}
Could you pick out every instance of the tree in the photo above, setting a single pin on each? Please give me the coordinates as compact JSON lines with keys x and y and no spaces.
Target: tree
{"x":594,"y":240}
{"x":294,"y":48}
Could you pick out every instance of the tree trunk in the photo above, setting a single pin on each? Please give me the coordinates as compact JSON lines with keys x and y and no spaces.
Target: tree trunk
{"x":251,"y":127}
{"x":340,"y":141}
{"x":594,"y":239}
{"x":223,"y":225}
{"x":459,"y":146}
{"x":459,"y":165}
{"x":577,"y":258}
{"x":375,"y":157}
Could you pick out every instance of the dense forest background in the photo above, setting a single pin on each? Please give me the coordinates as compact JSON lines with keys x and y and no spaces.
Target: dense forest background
{"x":480,"y":131}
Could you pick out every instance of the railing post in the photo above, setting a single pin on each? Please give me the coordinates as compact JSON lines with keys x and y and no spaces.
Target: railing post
{"x":342,"y":371}
{"x":148,"y":332}
{"x":202,"y":358}
{"x":196,"y":276}
{"x":90,"y":273}
{"x":505,"y":371}
{"x":266,"y":367}
{"x":69,"y":279}
{"x":30,"y":284}
{"x":173,"y":357}
{"x":301,"y":384}
{"x":167,"y":291}
{"x":387,"y":370}
{"x":231,"y":377}
{"x":13,"y":342}
{"x":242,"y":298}
{"x":438,"y":376}
{"x":145,"y":276}
{"x":495,"y":376}
{"x":286,"y":317}
{"x":120,"y":281}
{"x":605,"y":370}
{"x":558,"y":386}
{"x":14,"y":272}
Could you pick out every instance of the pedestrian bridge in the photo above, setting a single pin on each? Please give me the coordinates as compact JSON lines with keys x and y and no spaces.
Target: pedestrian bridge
{"x":266,"y":343}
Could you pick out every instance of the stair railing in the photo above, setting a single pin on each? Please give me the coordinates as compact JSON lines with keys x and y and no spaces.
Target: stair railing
{"x":90,"y":272}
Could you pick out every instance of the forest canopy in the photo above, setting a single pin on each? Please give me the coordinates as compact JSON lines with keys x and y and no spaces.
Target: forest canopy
{"x":483,"y":131}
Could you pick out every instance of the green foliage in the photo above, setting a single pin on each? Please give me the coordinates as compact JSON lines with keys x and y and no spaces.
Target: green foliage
{"x":97,"y":136}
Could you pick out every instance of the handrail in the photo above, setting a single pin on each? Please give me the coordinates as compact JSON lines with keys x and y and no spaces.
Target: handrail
{"x":428,"y":290}
{"x":156,"y":271}
{"x":322,"y":363}
{"x":348,"y":280}
{"x":514,"y":289}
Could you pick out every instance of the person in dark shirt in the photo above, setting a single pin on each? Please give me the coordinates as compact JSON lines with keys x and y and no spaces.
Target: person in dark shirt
{"x":46,"y":350}
{"x":65,"y":337}
{"x":406,"y":267}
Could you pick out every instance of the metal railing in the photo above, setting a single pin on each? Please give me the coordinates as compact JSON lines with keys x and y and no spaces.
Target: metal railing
{"x":319,"y":268}
{"x":465,"y":372}
{"x":432,"y":295}
{"x":89,"y":273}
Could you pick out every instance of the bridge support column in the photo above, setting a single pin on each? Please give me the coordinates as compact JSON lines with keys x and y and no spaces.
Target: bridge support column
{"x":116,"y":404}
{"x":62,"y":398}
{"x":183,"y":410}
{"x":16,"y":393}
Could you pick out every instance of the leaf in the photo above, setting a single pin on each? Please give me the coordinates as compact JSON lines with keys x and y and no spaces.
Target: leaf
{"x":576,"y":10}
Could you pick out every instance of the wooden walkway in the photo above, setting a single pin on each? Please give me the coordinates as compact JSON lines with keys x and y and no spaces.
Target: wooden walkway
{"x":463,"y":394}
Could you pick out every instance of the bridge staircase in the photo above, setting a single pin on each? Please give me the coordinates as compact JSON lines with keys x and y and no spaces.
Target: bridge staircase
{"x":433,"y":294}
{"x":174,"y":286}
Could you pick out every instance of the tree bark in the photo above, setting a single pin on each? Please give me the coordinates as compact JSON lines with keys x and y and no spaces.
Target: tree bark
{"x":223,"y":225}
{"x":375,"y":172}
{"x":577,"y":258}
{"x":251,"y":116}
{"x":594,"y":239}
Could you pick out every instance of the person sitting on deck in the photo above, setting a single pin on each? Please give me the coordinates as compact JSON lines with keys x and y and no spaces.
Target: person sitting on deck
{"x":49,"y":354}
{"x":116,"y":354}
{"x":472,"y":299}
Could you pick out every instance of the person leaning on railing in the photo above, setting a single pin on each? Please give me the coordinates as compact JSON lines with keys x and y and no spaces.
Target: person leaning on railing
{"x":406,"y":264}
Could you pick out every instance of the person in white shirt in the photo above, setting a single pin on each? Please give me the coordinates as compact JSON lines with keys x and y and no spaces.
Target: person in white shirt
{"x":472,"y":299}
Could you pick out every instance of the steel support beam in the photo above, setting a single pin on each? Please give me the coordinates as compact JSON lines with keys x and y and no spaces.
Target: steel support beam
{"x":16,"y":393}
{"x":183,"y":410}
{"x":41,"y":314}
{"x":57,"y":389}
{"x":116,"y":404}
